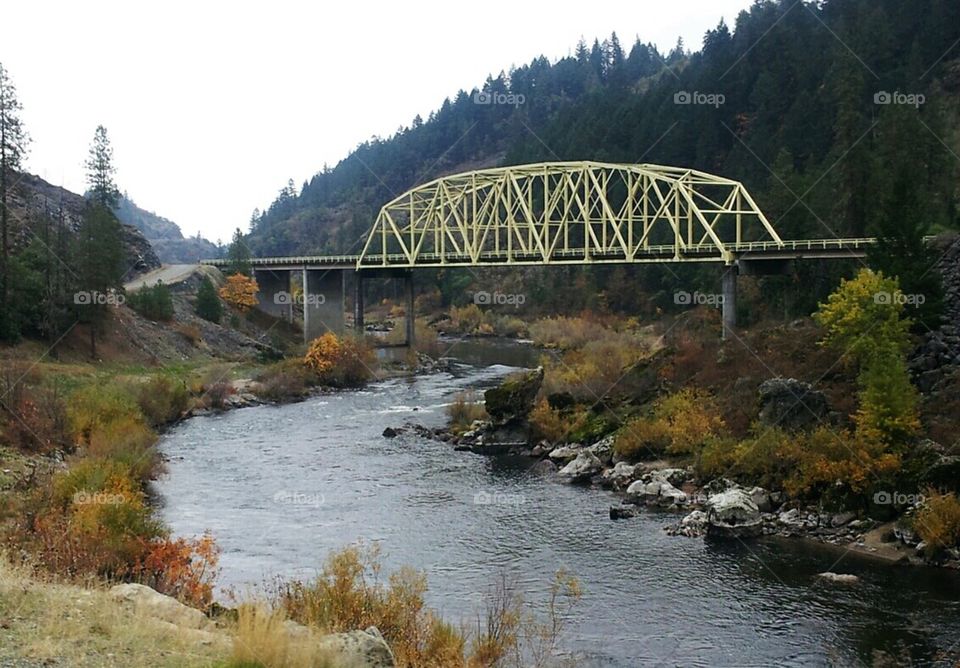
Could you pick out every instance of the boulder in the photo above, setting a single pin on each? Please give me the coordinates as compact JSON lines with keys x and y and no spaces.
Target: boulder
{"x":693,"y":525}
{"x":512,"y":400}
{"x":675,"y":477}
{"x":761,"y":497}
{"x":791,"y":404}
{"x":582,"y":468}
{"x":733,"y":514}
{"x":565,"y":453}
{"x":620,"y":475}
{"x":360,"y":649}
{"x":655,"y":492}
{"x":623,"y":512}
{"x":603,"y":449}
{"x":389,"y":432}
{"x":151,"y":602}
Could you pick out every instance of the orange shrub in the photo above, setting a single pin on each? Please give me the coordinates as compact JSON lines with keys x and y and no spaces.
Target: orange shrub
{"x":240,"y":292}
{"x":340,"y":362}
{"x":938,"y":520}
{"x":184,"y":569}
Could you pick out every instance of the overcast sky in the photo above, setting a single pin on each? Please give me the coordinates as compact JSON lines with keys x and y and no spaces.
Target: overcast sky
{"x":212,"y":106}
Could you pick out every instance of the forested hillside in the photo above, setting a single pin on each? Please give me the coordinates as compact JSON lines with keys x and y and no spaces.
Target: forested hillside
{"x":164,"y":234}
{"x":841,"y":117}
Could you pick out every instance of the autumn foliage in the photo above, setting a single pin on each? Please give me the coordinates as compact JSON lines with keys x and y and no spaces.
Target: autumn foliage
{"x":240,"y":292}
{"x":340,"y":362}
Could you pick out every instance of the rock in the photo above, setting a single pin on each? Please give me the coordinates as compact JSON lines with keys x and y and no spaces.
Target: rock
{"x":839,"y":578}
{"x":733,"y":514}
{"x":565,"y":453}
{"x":841,"y":519}
{"x":620,"y":475}
{"x":540,"y":449}
{"x":544,"y":467}
{"x":673,"y":476}
{"x":583,"y":467}
{"x":693,"y":525}
{"x":791,"y":404}
{"x":623,"y":512}
{"x":761,"y":497}
{"x":512,"y":400}
{"x":153,"y":603}
{"x":791,"y":518}
{"x":389,"y":432}
{"x":717,"y":486}
{"x":362,"y":649}
{"x":603,"y":449}
{"x":655,"y":492}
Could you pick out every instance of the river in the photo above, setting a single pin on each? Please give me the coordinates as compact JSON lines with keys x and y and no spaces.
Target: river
{"x":282,"y":486}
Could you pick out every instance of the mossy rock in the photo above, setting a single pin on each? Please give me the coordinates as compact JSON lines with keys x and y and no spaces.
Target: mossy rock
{"x":512,"y":400}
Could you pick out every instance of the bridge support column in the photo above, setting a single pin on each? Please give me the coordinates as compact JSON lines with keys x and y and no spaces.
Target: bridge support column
{"x":322,"y":302}
{"x":273,"y":292}
{"x":411,"y":313}
{"x":729,"y":293}
{"x":358,"y":305}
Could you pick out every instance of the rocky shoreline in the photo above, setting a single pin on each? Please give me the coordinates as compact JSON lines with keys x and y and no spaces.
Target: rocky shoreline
{"x":718,"y":509}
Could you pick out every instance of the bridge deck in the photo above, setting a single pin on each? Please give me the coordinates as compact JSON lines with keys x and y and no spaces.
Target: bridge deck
{"x":748,"y":250}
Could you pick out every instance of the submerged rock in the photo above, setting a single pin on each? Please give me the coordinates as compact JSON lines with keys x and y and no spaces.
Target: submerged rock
{"x":839,"y":578}
{"x":733,"y":514}
{"x":693,"y":525}
{"x":623,"y":512}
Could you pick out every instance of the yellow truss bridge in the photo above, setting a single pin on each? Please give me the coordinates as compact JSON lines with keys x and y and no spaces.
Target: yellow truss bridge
{"x":549,"y":213}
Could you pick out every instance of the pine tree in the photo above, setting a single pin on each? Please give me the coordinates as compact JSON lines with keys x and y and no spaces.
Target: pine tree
{"x":238,"y":255}
{"x":208,"y":303}
{"x":100,"y":170}
{"x":13,"y":146}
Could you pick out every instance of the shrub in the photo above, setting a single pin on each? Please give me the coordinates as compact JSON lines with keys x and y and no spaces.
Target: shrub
{"x":547,"y":423}
{"x":465,"y":408}
{"x":162,"y":399}
{"x":182,"y":568}
{"x":129,"y":442}
{"x":153,"y":302}
{"x":215,"y":395}
{"x":96,"y":405}
{"x":190,"y":332}
{"x":208,"y":303}
{"x":261,"y":640}
{"x":937,"y":521}
{"x":340,"y":362}
{"x":681,"y":424}
{"x":285,"y":380}
{"x":35,"y":419}
{"x":240,"y":292}
{"x":567,"y":333}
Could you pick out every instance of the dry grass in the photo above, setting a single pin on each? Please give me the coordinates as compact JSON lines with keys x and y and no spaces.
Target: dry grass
{"x":66,"y":625}
{"x":466,"y":408}
{"x":262,"y":639}
{"x":938,"y":521}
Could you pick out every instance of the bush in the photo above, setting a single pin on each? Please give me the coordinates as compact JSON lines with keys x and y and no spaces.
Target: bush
{"x":97,"y":405}
{"x":162,"y":399}
{"x":262,"y":641}
{"x":547,"y":423}
{"x":32,"y":417}
{"x":682,"y":423}
{"x":567,"y":333}
{"x":464,"y":410}
{"x":240,"y":292}
{"x":208,"y":303}
{"x":285,"y":380}
{"x":129,"y":442}
{"x":340,"y":362}
{"x":937,"y":522}
{"x":152,"y":302}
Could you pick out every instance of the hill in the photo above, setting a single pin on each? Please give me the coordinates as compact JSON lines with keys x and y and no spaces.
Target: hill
{"x":165,"y":235}
{"x":836,"y":115}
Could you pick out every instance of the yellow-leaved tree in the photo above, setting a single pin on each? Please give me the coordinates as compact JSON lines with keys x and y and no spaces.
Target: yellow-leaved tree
{"x":240,"y":291}
{"x":864,"y":322}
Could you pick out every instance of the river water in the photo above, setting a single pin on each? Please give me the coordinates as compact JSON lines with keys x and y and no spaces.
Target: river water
{"x":282,"y":486}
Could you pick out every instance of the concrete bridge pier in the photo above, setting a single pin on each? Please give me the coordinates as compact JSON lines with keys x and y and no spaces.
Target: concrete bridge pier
{"x":728,"y":290}
{"x":273,"y":292}
{"x":358,"y":302}
{"x":323,"y":302}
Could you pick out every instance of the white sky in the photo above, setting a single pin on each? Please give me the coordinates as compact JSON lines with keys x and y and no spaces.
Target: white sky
{"x":212,"y":106}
